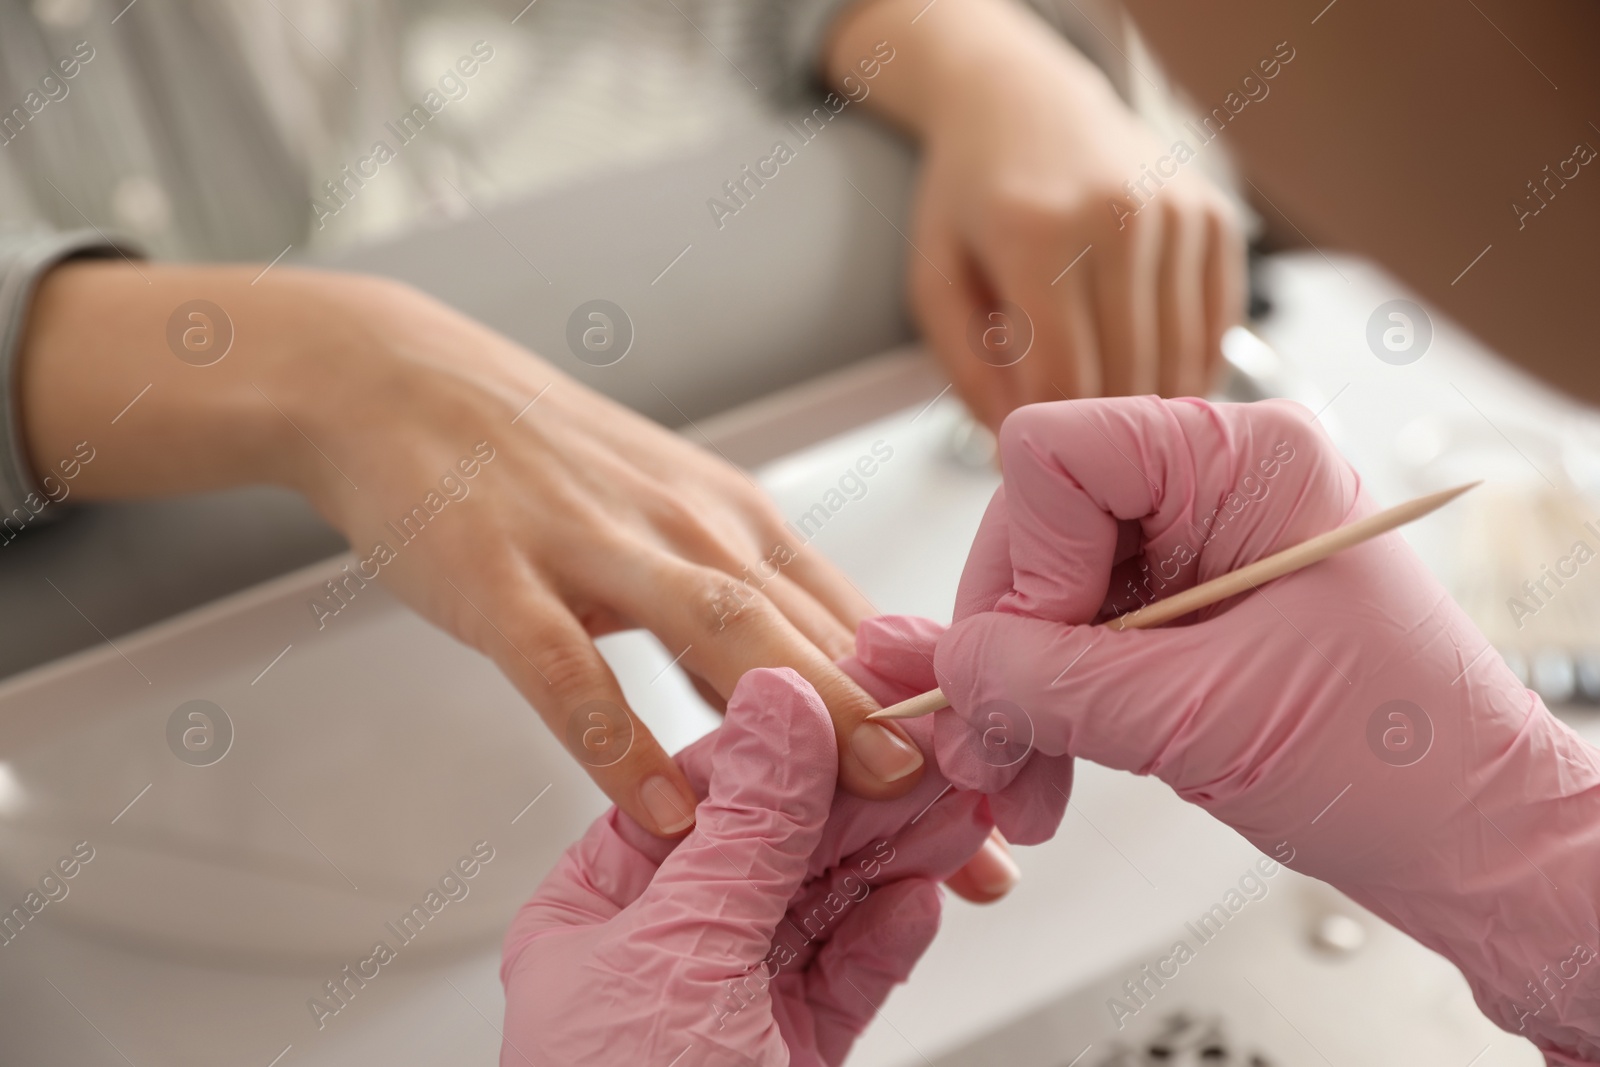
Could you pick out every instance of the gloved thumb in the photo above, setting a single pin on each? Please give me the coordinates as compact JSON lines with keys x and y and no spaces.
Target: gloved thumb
{"x":873,"y":951}
{"x":1117,"y":698}
{"x":710,"y":911}
{"x":894,"y":656}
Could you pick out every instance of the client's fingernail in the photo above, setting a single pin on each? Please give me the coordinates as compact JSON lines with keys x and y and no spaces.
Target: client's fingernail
{"x":995,"y":872}
{"x":883,"y":753}
{"x":666,"y":805}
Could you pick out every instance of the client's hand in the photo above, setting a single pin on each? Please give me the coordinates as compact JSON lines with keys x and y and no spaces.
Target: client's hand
{"x":507,"y":503}
{"x":1348,"y":718}
{"x":770,"y":935}
{"x":1049,"y":222}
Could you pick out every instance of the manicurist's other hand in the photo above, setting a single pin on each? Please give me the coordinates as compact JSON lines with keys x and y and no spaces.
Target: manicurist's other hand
{"x":511,"y":506}
{"x":1348,"y":719}
{"x":770,"y":935}
{"x":1059,"y":250}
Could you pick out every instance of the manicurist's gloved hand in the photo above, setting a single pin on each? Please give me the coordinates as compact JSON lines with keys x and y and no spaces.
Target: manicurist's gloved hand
{"x":769,"y":935}
{"x":1347,"y":718}
{"x":1027,"y":791}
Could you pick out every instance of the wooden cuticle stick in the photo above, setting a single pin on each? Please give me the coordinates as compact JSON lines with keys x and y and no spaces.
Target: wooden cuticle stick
{"x":1233,"y":583}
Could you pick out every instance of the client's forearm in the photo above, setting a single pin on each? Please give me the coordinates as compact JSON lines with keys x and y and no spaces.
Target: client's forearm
{"x":179,"y":378}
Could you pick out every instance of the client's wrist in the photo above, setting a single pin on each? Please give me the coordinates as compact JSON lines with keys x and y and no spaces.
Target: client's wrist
{"x":322,"y":363}
{"x":966,"y":59}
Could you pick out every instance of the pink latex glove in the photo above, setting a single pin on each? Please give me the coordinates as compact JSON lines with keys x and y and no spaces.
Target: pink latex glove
{"x":1468,"y":816}
{"x":1027,"y":791}
{"x":769,"y":935}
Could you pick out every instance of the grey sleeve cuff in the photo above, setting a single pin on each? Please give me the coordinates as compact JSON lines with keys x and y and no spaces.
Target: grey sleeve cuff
{"x":25,"y":256}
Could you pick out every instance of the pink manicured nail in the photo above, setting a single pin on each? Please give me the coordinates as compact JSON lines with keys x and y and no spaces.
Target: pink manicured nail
{"x":666,"y":805}
{"x":883,"y":753}
{"x":993,"y":870}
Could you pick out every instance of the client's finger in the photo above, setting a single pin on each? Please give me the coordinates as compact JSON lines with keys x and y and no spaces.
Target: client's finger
{"x":547,"y":654}
{"x":725,"y":629}
{"x":990,"y":874}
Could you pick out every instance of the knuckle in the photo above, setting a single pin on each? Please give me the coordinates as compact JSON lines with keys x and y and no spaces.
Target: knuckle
{"x":1025,"y":221}
{"x":570,"y":669}
{"x":672,"y":515}
{"x":756,"y":614}
{"x":716,"y":597}
{"x":730,"y":604}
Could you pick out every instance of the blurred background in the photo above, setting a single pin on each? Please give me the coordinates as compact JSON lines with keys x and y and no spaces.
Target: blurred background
{"x":577,"y":165}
